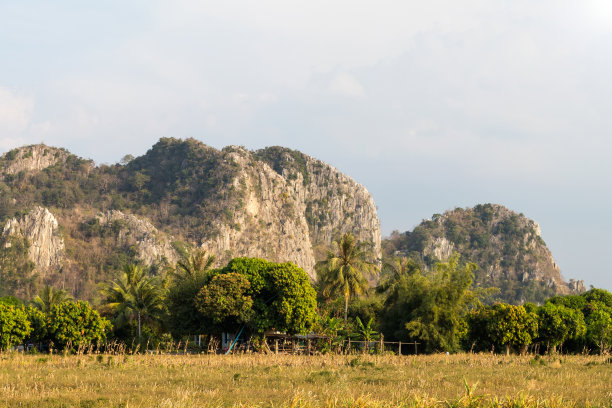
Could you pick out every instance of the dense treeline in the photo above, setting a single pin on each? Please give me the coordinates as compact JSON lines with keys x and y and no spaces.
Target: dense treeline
{"x":438,"y":307}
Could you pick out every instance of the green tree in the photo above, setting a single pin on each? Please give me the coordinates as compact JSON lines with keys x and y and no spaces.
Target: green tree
{"x":557,"y":324}
{"x":332,"y":327}
{"x":283,"y":298}
{"x":76,"y":323}
{"x":50,"y":297}
{"x":225,"y":301}
{"x":189,"y":276}
{"x":599,"y":329}
{"x":39,"y":324}
{"x":395,"y":272}
{"x":365,"y":332}
{"x":502,"y":326}
{"x":11,"y":301}
{"x":195,"y":267}
{"x":431,"y":307}
{"x":345,"y":269}
{"x":17,"y":275}
{"x":135,"y":296}
{"x":14,"y":326}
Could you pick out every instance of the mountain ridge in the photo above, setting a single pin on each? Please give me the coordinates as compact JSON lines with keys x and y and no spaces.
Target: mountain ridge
{"x":180,"y":194}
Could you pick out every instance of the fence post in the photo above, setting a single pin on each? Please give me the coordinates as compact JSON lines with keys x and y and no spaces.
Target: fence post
{"x":415,"y":348}
{"x":348,"y":348}
{"x":382,"y":344}
{"x":399,"y":353}
{"x":308,"y":346}
{"x":275,"y":346}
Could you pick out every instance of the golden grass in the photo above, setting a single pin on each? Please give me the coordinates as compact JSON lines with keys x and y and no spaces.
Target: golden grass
{"x":462,"y":380}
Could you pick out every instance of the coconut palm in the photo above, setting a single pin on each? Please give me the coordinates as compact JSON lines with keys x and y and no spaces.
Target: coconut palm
{"x":394,"y":272}
{"x":194,"y":268}
{"x":50,"y":297}
{"x":189,"y":276}
{"x":345,"y":269}
{"x":135,"y":296}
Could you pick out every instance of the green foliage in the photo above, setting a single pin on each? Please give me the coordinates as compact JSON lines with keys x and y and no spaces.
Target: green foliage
{"x":11,"y":301}
{"x":599,"y":329}
{"x":344,"y":270}
{"x":558,"y":323}
{"x":502,"y":326}
{"x":430,"y":308}
{"x":16,"y":270}
{"x":366,"y":331}
{"x":192,"y":179}
{"x":225,"y":301}
{"x":191,"y":273}
{"x":14,"y":326}
{"x":283,"y":298}
{"x":590,"y":309}
{"x":50,"y":297}
{"x":395,"y":272}
{"x":135,"y":297}
{"x":282,"y":158}
{"x":505,"y":246}
{"x":76,"y":324}
{"x":39,"y":324}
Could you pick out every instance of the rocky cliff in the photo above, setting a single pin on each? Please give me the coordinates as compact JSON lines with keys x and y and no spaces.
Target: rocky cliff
{"x":151,"y":246}
{"x":31,"y":158}
{"x":41,"y":230}
{"x":508,"y":248}
{"x":274,"y":203}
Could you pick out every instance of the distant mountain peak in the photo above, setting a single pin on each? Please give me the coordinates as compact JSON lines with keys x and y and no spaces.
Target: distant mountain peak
{"x":507,"y":246}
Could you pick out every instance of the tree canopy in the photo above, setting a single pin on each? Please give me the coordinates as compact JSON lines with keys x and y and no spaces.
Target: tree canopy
{"x":345,"y":269}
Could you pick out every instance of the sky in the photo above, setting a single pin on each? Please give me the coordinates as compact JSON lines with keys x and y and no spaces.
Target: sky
{"x":430,"y":105}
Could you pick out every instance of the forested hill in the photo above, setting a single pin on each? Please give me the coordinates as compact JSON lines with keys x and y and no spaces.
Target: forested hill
{"x":71,"y":224}
{"x":507,"y":247}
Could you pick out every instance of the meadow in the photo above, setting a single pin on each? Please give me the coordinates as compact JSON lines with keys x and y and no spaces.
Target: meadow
{"x":459,"y":380}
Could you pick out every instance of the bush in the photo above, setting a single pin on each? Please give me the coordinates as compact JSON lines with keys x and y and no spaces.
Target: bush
{"x":14,"y":326}
{"x":77,"y":324}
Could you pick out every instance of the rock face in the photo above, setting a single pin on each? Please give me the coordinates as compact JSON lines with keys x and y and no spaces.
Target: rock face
{"x":41,"y":230}
{"x":507,"y":247}
{"x":31,"y":158}
{"x":289,"y":213}
{"x":274,"y":203}
{"x":152,"y":247}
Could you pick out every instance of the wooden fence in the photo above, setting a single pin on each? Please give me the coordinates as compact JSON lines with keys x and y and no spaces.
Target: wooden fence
{"x":284,"y":344}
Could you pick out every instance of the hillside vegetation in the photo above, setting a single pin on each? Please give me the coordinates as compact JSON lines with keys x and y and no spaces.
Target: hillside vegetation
{"x":507,"y":248}
{"x":75,"y":224}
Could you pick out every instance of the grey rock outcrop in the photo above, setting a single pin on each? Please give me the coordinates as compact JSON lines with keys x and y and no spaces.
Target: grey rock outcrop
{"x":151,"y":245}
{"x":31,"y":158}
{"x":284,"y":218}
{"x":41,"y":230}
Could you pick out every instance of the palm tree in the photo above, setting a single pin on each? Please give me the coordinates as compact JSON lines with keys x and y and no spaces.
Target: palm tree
{"x":345,"y":269}
{"x":50,"y":297}
{"x":135,"y":296}
{"x":395,"y":272}
{"x":194,"y":268}
{"x":189,"y":276}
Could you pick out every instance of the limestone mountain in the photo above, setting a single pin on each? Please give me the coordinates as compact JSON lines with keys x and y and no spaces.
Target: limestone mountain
{"x":274,"y":203}
{"x":507,"y":247}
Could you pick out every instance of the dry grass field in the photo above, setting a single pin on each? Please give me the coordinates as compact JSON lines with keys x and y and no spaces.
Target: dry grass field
{"x":461,"y":380}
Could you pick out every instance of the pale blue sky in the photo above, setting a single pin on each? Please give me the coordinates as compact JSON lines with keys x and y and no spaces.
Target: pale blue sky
{"x":430,"y":105}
